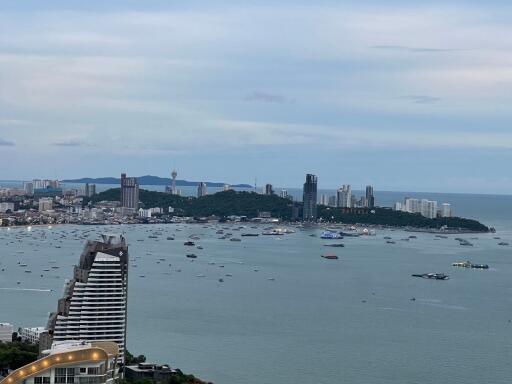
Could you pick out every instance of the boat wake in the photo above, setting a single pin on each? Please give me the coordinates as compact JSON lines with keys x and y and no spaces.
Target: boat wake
{"x":26,"y":289}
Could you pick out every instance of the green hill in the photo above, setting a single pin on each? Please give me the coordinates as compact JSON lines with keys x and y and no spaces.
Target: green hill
{"x":250,"y":204}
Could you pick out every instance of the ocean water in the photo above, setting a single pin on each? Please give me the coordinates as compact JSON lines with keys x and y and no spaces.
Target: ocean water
{"x":350,"y":320}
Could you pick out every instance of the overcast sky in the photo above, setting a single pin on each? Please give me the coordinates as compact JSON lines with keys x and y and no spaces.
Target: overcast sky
{"x":412,"y":96}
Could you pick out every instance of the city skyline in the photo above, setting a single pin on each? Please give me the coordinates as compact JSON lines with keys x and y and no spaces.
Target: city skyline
{"x":386,"y":90}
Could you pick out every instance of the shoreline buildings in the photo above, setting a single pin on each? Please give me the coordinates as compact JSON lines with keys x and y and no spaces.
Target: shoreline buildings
{"x":94,"y":304}
{"x":425,"y":207}
{"x":309,"y":198}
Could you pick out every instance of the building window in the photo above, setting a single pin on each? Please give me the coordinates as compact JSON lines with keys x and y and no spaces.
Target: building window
{"x":83,"y":370}
{"x":93,"y":370}
{"x":38,"y":380}
{"x":46,"y":380}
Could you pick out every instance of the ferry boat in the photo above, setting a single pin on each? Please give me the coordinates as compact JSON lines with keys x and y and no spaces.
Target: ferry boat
{"x":330,"y":235}
{"x":330,"y":257}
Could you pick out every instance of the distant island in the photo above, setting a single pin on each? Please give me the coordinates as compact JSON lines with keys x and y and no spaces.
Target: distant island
{"x":251,"y":204}
{"x":151,"y":180}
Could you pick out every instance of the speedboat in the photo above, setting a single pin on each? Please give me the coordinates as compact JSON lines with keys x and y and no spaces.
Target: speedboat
{"x":434,"y":276}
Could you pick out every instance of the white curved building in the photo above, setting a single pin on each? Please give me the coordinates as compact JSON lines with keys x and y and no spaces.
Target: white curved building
{"x":93,"y":307}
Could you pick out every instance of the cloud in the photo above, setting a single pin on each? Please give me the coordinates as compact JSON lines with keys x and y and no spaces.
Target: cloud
{"x":422,"y":99}
{"x":70,"y":143}
{"x":415,"y":49}
{"x":266,"y":97}
{"x":5,"y":143}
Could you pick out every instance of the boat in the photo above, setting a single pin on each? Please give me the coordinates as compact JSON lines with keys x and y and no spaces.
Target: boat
{"x":199,"y":247}
{"x":433,"y":276}
{"x":469,"y":264}
{"x":387,"y":238}
{"x":192,"y":256}
{"x":330,"y":235}
{"x":170,"y":238}
{"x":249,"y":234}
{"x":330,"y":257}
{"x":235,"y":239}
{"x":336,"y":245}
{"x":413,"y":237}
{"x":390,"y":242}
{"x":189,"y":243}
{"x":502,"y":243}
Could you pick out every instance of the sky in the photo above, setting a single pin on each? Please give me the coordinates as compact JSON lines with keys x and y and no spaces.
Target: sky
{"x":403,"y":95}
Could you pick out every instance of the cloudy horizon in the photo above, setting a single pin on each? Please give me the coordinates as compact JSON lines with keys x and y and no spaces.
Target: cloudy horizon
{"x":402,"y":96}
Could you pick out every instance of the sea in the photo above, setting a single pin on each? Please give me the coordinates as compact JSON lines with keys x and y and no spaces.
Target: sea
{"x":270,"y":309}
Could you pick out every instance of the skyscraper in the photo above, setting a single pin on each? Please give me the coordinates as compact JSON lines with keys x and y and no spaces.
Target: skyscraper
{"x":90,"y":190}
{"x":309,"y":198}
{"x":269,"y":190}
{"x":370,"y":198}
{"x":201,"y":189}
{"x":344,"y":196}
{"x":129,"y":192}
{"x":94,"y":304}
{"x":446,"y":210}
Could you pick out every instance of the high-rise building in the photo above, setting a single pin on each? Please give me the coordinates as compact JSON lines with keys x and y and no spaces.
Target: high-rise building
{"x":227,"y":187}
{"x":283,"y":193}
{"x":324,"y":199}
{"x":129,"y":192}
{"x":28,"y":187}
{"x":332,"y":201}
{"x":370,"y":197}
{"x":89,"y":190}
{"x":412,"y":205}
{"x":201,"y":189}
{"x":428,"y":208}
{"x":309,"y":198}
{"x":344,"y":196}
{"x":269,"y":190}
{"x":446,"y":210}
{"x":93,"y":307}
{"x":71,"y":362}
